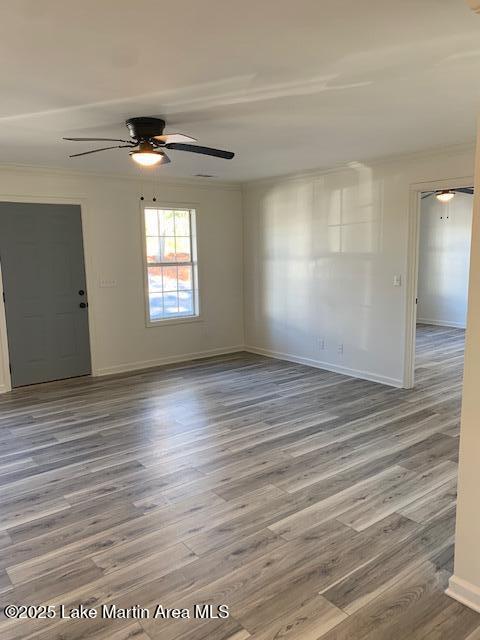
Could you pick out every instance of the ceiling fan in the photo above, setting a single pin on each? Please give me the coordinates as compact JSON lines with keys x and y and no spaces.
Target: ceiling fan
{"x":148,"y":142}
{"x":445,"y":195}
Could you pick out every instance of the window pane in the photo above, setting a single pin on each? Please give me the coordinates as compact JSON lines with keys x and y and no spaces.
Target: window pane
{"x":167,"y":224}
{"x":170,"y":303}
{"x":170,"y":279}
{"x":153,"y":250}
{"x":167,"y":246}
{"x":171,"y":285}
{"x":185,"y":277}
{"x":182,"y":223}
{"x":156,"y":306}
{"x":182,"y":249}
{"x":151,"y":222}
{"x":185,"y":303}
{"x":155,"y":279}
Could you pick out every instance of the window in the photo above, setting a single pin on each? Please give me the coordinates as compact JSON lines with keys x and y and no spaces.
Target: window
{"x":171,"y":263}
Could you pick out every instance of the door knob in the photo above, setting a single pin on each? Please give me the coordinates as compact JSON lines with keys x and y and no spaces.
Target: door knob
{"x":82,"y":305}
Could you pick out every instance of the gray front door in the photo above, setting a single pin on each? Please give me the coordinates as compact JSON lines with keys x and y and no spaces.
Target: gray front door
{"x":41,"y":256}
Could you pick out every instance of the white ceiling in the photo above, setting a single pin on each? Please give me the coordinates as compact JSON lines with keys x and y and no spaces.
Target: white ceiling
{"x":288,"y":85}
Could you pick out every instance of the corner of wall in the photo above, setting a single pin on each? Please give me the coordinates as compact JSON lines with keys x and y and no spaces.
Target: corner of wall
{"x":464,"y":592}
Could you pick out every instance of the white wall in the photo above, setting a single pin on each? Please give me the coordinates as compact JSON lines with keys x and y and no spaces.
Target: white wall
{"x":465,"y":583}
{"x":321,"y":253}
{"x":444,"y":260}
{"x":112,"y":230}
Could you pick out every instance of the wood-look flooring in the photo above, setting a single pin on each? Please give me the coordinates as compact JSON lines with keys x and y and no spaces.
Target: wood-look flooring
{"x":315,"y":505}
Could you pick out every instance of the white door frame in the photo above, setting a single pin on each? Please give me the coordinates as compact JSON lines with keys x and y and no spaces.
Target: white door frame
{"x":80,"y":201}
{"x":412,"y":266}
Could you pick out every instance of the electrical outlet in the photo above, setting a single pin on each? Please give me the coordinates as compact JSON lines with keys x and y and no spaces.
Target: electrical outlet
{"x":321,"y":344}
{"x":340,"y":349}
{"x":107,"y":283}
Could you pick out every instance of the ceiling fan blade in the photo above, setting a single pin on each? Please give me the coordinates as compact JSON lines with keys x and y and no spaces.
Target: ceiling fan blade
{"x":85,"y":153}
{"x":464,"y":190}
{"x":206,"y":151}
{"x":95,"y":140}
{"x":174,"y":137}
{"x":166,"y":159}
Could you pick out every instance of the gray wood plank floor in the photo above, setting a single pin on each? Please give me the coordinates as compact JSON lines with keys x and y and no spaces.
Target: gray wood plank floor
{"x":313,"y":504}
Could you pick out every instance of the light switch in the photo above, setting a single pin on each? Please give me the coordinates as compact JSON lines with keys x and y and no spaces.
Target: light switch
{"x":397,"y":281}
{"x":106,"y":283}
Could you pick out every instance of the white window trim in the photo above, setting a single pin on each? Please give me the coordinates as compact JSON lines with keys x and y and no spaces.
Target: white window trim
{"x":180,"y":319}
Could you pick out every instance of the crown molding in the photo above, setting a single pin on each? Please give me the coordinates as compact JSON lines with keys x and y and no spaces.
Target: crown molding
{"x":199,"y":183}
{"x":374,"y":162}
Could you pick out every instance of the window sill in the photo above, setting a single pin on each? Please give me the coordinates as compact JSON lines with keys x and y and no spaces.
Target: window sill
{"x":170,"y":321}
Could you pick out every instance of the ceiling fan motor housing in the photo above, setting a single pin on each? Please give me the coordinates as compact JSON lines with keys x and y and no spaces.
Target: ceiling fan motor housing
{"x":144,"y":128}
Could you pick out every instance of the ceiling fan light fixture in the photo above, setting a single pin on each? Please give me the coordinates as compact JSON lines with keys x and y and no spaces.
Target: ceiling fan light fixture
{"x":445,"y":196}
{"x":146,"y":156}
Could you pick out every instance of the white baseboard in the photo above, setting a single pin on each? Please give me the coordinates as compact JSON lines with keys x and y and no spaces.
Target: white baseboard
{"x":158,"y":362}
{"x":465,"y":592}
{"x":4,"y":388}
{"x":318,"y":364}
{"x":442,"y":323}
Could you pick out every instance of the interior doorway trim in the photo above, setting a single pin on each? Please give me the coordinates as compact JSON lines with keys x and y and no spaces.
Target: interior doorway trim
{"x":416,"y":190}
{"x":82,"y":202}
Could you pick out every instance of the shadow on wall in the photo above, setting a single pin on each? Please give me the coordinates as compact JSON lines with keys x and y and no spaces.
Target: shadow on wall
{"x":319,"y":240}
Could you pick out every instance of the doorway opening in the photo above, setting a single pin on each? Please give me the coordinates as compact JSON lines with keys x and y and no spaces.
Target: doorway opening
{"x":45,"y":293}
{"x":444,"y":238}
